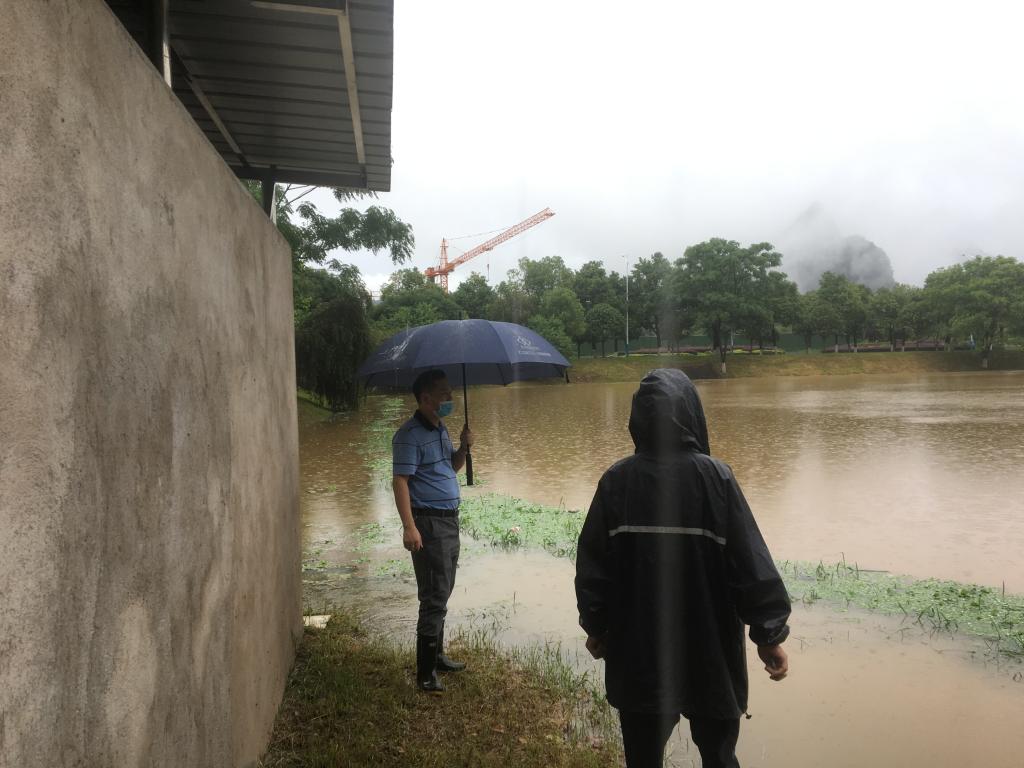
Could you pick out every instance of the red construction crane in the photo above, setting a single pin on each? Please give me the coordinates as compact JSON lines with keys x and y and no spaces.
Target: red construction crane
{"x":445,"y":267}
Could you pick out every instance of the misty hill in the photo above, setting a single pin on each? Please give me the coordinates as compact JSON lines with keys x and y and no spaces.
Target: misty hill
{"x":813,"y":245}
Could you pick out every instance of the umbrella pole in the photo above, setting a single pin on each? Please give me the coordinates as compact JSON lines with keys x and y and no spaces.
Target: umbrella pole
{"x":465,"y":406}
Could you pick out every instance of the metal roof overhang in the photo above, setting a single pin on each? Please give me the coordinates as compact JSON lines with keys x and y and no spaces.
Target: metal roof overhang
{"x":293,"y":91}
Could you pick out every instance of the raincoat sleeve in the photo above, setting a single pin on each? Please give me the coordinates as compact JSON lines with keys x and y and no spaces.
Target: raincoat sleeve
{"x":760,"y":594}
{"x":593,"y":567}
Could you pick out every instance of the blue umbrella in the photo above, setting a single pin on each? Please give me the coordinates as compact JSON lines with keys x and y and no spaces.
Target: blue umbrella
{"x":469,"y":352}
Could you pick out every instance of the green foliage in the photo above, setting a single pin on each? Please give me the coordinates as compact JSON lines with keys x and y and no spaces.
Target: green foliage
{"x":330,"y":343}
{"x":312,"y":286}
{"x":508,"y":522}
{"x":562,"y":305}
{"x":408,"y":299}
{"x":552,"y":330}
{"x":537,"y":277}
{"x":650,"y":295}
{"x":604,"y":322}
{"x":592,"y":286}
{"x":474,"y":296}
{"x":511,"y":303}
{"x":726,"y":285}
{"x":893,"y":312}
{"x":983,"y":298}
{"x":842,"y":307}
{"x":327,"y":357}
{"x":805,"y":317}
{"x":932,"y":603}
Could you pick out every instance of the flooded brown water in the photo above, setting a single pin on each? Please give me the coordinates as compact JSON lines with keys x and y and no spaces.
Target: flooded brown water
{"x":917,"y":475}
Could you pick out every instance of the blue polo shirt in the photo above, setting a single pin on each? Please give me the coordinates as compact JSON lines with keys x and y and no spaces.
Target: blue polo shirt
{"x":423,"y":453}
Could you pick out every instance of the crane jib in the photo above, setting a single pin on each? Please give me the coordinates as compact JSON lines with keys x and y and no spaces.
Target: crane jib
{"x":445,"y":267}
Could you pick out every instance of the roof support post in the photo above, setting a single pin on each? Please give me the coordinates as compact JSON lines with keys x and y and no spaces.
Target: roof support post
{"x":160,"y":39}
{"x":269,"y":192}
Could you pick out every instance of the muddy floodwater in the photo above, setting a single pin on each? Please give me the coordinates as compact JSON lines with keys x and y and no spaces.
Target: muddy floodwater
{"x":917,"y":475}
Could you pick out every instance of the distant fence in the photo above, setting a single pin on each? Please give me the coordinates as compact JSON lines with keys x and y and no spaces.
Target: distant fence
{"x":786,"y":342}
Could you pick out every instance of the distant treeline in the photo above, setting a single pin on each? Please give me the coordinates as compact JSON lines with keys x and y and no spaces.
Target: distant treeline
{"x":718,"y":288}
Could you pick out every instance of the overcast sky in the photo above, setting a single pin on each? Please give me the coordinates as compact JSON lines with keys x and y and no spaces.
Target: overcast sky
{"x":649,"y":126}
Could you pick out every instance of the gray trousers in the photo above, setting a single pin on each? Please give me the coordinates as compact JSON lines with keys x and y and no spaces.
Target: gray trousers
{"x":435,"y":566}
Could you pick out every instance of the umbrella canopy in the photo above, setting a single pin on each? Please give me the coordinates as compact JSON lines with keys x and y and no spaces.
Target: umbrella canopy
{"x":468,"y":351}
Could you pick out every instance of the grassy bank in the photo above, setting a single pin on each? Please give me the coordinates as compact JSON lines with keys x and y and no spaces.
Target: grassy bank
{"x":350,"y":701}
{"x":743,"y":365}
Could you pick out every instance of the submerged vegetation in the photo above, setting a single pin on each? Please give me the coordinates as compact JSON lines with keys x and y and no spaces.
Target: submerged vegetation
{"x":350,"y":700}
{"x":508,"y":522}
{"x":946,"y":606}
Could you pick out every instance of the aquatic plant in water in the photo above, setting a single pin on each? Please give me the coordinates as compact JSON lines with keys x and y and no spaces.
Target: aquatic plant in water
{"x":935,"y":604}
{"x":508,"y":522}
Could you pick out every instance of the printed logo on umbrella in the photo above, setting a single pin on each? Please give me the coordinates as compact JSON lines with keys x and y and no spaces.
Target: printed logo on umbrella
{"x":398,"y":350}
{"x":527,"y":346}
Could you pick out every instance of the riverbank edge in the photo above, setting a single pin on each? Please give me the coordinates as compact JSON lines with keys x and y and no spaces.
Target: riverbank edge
{"x":744,"y":365}
{"x":351,"y":700}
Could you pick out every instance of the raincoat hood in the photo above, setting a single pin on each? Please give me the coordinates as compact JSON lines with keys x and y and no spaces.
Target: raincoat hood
{"x":667,"y":414}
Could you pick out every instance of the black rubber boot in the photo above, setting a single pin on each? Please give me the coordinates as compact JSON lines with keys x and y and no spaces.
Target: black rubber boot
{"x":444,"y":664}
{"x":426,"y":664}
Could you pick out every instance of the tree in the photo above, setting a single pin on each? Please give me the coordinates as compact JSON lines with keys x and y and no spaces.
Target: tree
{"x":592,"y":286}
{"x":842,"y":307}
{"x":984,"y":297}
{"x":511,"y":304}
{"x":826,"y":309}
{"x":725,"y":283}
{"x":330,"y":343}
{"x":650,"y":299}
{"x":313,"y":235}
{"x":805,"y":319}
{"x":562,"y":305}
{"x":408,"y":299}
{"x":312,"y":286}
{"x":474,"y":296}
{"x":783,"y":302}
{"x":551,"y":329}
{"x":604,"y":322}
{"x":890,"y":312}
{"x":538,"y":276}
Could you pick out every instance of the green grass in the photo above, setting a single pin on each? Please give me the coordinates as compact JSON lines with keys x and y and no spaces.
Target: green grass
{"x":351,"y":701}
{"x":508,"y":522}
{"x":947,"y":606}
{"x":706,"y":366}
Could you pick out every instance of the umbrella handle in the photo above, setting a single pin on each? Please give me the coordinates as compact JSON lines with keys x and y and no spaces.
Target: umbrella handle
{"x":465,"y":407}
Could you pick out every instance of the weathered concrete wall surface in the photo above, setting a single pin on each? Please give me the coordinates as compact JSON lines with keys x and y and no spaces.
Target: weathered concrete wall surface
{"x":149,"y":536}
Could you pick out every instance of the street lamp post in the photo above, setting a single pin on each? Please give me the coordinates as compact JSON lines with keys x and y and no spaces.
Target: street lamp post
{"x":627,"y":304}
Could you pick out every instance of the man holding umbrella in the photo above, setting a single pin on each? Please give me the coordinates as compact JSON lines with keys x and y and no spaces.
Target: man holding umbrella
{"x":424,"y":467}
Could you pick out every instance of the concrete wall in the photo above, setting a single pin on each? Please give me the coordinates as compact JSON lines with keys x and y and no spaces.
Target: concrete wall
{"x":149,"y":535}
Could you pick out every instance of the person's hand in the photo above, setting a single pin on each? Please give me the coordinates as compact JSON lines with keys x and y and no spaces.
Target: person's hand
{"x":411,"y":539}
{"x":596,"y":646}
{"x":776,"y":662}
{"x":465,"y":438}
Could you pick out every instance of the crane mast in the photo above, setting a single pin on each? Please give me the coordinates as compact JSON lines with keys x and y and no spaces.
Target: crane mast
{"x":445,"y":267}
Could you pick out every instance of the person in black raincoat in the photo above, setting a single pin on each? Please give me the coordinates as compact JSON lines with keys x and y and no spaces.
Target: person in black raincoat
{"x":670,"y":567}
